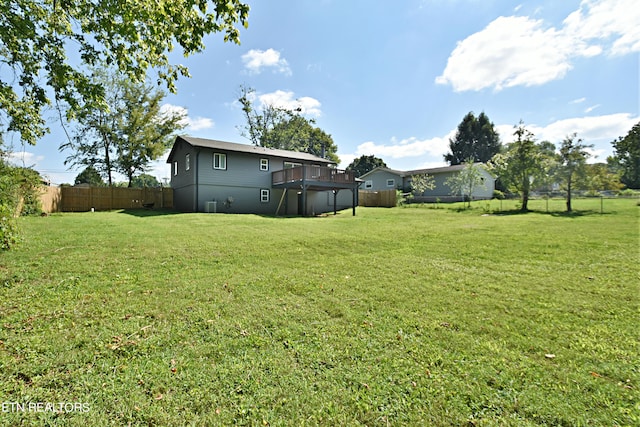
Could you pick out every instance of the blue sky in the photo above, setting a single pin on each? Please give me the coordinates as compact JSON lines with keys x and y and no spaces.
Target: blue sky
{"x":394,"y":79}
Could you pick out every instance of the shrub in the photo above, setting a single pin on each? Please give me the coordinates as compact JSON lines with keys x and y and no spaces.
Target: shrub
{"x":19,"y":195}
{"x":497,"y":194}
{"x":8,"y":228}
{"x":628,"y":192}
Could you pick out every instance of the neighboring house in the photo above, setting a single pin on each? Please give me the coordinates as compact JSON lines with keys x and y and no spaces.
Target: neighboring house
{"x":217,"y":176}
{"x":382,"y":178}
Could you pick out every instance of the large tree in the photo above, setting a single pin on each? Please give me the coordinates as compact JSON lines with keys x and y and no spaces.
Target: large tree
{"x":126,"y":136}
{"x":48,"y":49}
{"x":522,"y":164}
{"x":364,"y":164}
{"x":571,"y":159}
{"x":144,"y":132}
{"x":277,"y":127}
{"x":627,"y":155}
{"x":476,"y":138}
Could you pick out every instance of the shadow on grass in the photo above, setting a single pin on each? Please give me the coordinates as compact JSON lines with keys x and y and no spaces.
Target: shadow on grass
{"x":143,"y":213}
{"x":558,"y":214}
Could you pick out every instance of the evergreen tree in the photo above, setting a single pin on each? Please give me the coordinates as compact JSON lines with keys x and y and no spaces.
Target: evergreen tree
{"x":476,"y":138}
{"x":364,"y":164}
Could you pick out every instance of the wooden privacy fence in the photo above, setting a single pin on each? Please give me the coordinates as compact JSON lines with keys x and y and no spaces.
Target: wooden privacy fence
{"x":82,"y":199}
{"x":383,"y":198}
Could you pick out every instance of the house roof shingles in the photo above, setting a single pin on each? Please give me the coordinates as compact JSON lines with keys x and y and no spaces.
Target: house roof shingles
{"x":431,"y":171}
{"x":247,"y":148}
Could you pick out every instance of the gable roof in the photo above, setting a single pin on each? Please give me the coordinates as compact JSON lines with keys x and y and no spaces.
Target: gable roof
{"x":430,"y":171}
{"x":246,"y":148}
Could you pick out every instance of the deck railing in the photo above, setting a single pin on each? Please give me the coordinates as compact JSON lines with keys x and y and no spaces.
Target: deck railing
{"x":313,"y":173}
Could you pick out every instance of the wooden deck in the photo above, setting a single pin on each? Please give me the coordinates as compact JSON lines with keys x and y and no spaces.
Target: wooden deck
{"x":314,"y":178}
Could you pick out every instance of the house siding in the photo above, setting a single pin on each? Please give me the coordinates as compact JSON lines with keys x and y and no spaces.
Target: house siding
{"x":183,"y":183}
{"x":379,"y":180}
{"x":441,"y":190}
{"x":237,"y":189}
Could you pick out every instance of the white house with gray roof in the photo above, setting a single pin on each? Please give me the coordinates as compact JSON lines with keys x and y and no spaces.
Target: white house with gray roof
{"x":217,"y":176}
{"x":382,"y":178}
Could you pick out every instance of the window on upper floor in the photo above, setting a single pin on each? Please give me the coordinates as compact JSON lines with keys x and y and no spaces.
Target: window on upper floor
{"x":264,"y":164}
{"x":175,"y":168}
{"x":219,"y":161}
{"x":187,"y":162}
{"x":368,"y":184}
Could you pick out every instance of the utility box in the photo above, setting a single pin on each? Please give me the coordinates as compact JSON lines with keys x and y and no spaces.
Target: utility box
{"x":211,"y":207}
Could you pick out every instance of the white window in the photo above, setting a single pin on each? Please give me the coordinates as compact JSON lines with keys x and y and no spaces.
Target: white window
{"x":368,"y":184}
{"x":264,"y":164}
{"x":264,"y":195}
{"x":391,"y":182}
{"x":187,"y":162}
{"x":175,"y":168}
{"x":219,"y":161}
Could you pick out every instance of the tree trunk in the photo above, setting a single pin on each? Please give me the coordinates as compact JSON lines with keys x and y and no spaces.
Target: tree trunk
{"x":569,"y":195}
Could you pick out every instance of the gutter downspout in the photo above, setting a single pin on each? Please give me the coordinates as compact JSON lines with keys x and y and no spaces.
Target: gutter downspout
{"x":195,"y":171}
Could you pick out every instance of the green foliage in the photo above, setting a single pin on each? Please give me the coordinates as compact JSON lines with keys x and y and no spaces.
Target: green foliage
{"x":145,"y":180}
{"x":476,"y":138}
{"x":421,"y":182}
{"x":627,"y":155}
{"x":9,"y":232}
{"x":523,"y":164}
{"x":128,"y":135}
{"x":89,"y":176}
{"x":599,"y":176}
{"x":19,"y":195}
{"x":364,"y":164}
{"x":571,"y":162}
{"x":499,"y":195}
{"x":405,"y":317}
{"x":466,"y":181}
{"x":38,"y":38}
{"x":281,"y":128}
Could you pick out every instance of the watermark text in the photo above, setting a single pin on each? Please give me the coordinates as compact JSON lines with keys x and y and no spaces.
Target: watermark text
{"x":58,"y":407}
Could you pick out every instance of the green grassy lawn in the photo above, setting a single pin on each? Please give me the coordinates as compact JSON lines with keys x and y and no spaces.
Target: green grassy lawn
{"x":403,"y":316}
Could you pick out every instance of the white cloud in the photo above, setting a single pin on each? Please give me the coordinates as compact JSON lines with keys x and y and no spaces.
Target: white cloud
{"x":578,"y":101}
{"x":190,"y":123}
{"x":613,"y":21}
{"x":286,"y":99}
{"x":597,"y":130}
{"x":23,"y":158}
{"x":406,"y":148}
{"x":415,"y":153}
{"x":607,"y":127}
{"x":521,"y":51}
{"x":510,"y":51}
{"x":590,"y":109}
{"x":256,"y":60}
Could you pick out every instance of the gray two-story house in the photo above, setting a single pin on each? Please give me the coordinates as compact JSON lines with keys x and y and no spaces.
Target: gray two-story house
{"x":217,"y":176}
